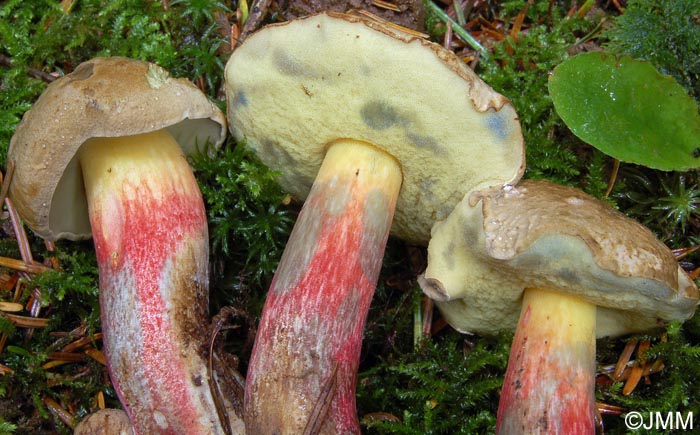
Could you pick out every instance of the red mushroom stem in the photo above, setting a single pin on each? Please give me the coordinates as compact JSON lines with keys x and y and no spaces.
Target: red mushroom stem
{"x":150,"y":233}
{"x":549,"y":382}
{"x":302,"y":374}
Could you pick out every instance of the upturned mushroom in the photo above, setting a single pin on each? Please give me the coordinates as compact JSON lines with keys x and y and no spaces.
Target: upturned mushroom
{"x":562,"y":268}
{"x":371,"y":126}
{"x":102,"y":153}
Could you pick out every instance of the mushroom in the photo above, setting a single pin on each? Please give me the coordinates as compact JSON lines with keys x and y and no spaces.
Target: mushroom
{"x":105,"y":422}
{"x":562,"y":268}
{"x":102,"y":152}
{"x":365,"y":123}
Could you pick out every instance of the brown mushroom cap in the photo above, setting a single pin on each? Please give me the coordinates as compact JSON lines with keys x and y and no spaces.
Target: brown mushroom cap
{"x":105,"y":422}
{"x":103,"y":97}
{"x":295,"y":88}
{"x":538,"y":234}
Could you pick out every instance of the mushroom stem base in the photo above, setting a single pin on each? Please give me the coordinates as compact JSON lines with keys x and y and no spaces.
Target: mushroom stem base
{"x":302,"y":373}
{"x":549,"y":383}
{"x":150,"y":233}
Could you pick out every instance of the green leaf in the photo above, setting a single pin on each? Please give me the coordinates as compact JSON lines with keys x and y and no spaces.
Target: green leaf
{"x":628,"y":110}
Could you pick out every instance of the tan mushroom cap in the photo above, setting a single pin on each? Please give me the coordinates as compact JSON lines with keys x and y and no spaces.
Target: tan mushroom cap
{"x":105,"y":422}
{"x":103,"y":97}
{"x":295,"y":88}
{"x":538,"y":234}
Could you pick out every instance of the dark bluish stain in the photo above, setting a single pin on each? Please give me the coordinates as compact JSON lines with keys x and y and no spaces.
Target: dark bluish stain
{"x":569,"y":276}
{"x":421,"y":141}
{"x":497,"y":125}
{"x":240,"y":99}
{"x":378,"y":115}
{"x":288,"y":65}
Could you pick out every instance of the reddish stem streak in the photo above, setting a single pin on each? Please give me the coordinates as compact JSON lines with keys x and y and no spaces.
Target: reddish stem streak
{"x":144,"y":346}
{"x":548,"y":386}
{"x":314,"y":315}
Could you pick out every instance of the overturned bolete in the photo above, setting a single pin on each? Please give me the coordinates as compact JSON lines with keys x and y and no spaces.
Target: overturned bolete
{"x":562,"y":268}
{"x":370,"y":126}
{"x":102,"y":153}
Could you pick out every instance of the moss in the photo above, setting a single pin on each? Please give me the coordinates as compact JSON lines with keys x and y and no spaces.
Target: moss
{"x":667,"y":202}
{"x":447,"y":387}
{"x":451,"y":384}
{"x":7,"y":428}
{"x":248,"y":223}
{"x":664,"y":32}
{"x":69,"y":300}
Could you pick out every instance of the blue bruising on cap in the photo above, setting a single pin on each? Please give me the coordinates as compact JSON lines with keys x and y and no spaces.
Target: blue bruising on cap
{"x":378,"y":115}
{"x":290,"y":66}
{"x":240,"y":99}
{"x":424,"y":141}
{"x":498,"y":125}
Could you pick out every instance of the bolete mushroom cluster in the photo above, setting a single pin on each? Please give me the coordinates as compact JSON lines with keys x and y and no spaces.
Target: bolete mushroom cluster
{"x":375,"y":129}
{"x":562,"y":268}
{"x":378,"y":132}
{"x":102,"y":153}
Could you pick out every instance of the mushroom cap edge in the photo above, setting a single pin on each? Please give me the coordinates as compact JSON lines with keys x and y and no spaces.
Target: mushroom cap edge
{"x":97,"y":100}
{"x":480,"y":290}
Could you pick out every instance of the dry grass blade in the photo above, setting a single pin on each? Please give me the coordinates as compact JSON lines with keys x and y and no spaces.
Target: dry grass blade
{"x":6,"y":180}
{"x":220,"y":322}
{"x":100,"y":400}
{"x":11,"y":307}
{"x":637,"y":370}
{"x":60,"y":412}
{"x":22,"y":266}
{"x":386,"y":5}
{"x":607,"y":409}
{"x":684,"y":252}
{"x":82,"y":342}
{"x":32,"y":72}
{"x":518,"y":24}
{"x":20,"y":234}
{"x":65,"y":356}
{"x":624,"y":359}
{"x":52,"y":364}
{"x":649,"y":369}
{"x":97,"y":355}
{"x":26,"y":322}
